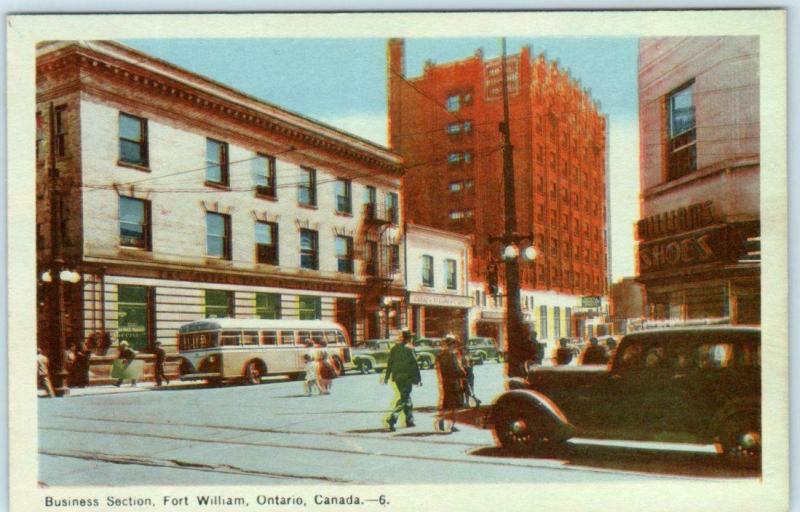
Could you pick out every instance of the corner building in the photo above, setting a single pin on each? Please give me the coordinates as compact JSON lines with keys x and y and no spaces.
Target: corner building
{"x":699,"y":228}
{"x":182,"y":199}
{"x":445,"y":125}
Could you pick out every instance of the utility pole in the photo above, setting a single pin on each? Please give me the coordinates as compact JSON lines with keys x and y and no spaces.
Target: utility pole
{"x":516,"y":340}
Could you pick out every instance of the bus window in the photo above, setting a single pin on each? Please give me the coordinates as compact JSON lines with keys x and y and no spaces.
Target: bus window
{"x":269,"y":337}
{"x":330,"y":337}
{"x":250,"y":338}
{"x":211,"y":339}
{"x":304,"y":337}
{"x":318,"y":338}
{"x":340,"y":339}
{"x":287,"y":337}
{"x":231,"y":338}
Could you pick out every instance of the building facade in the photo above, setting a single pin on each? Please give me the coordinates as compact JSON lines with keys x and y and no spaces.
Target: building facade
{"x":699,"y":231}
{"x":445,"y":125}
{"x":437,"y":281}
{"x":176,"y":198}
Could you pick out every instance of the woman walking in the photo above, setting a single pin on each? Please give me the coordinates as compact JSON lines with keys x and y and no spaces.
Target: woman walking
{"x":451,"y":377}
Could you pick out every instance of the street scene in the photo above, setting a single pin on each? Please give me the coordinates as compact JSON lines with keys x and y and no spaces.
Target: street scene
{"x":191,"y":435}
{"x":398,"y":261}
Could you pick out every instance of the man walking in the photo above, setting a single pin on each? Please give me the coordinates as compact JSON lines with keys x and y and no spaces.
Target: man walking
{"x":43,"y":373}
{"x":161,"y":357}
{"x":402,"y":368}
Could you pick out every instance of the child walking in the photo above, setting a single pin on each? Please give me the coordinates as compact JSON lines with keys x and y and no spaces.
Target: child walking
{"x":312,"y":375}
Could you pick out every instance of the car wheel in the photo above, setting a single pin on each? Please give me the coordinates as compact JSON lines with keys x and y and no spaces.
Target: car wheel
{"x":740,"y":439}
{"x":515,"y":425}
{"x":364,"y":367}
{"x":253,"y":373}
{"x":424,"y":363}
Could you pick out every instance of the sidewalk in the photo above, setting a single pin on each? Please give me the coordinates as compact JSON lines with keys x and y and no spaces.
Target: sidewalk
{"x":110,"y":389}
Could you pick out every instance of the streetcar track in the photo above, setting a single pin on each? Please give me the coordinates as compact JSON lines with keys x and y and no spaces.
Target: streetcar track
{"x":517,"y":464}
{"x":190,"y":466}
{"x":263,"y":430}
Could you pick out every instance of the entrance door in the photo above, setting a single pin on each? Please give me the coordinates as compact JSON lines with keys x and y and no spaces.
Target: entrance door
{"x":346,"y":316}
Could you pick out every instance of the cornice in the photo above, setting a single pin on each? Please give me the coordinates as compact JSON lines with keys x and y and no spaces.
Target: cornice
{"x":237,"y":107}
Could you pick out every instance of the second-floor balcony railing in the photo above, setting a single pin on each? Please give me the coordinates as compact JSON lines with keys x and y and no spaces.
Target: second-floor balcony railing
{"x":379,"y":214}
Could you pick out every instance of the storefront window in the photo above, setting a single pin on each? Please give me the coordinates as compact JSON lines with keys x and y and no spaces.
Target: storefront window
{"x":310,"y":308}
{"x":268,"y":306}
{"x":556,"y":322}
{"x":132,"y":311}
{"x":219,"y":304}
{"x":542,"y":321}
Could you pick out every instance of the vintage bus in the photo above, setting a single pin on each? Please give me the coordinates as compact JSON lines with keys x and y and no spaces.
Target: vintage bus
{"x":220,"y":349}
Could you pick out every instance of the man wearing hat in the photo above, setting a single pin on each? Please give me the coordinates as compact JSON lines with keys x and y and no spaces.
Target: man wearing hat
{"x":451,"y":378}
{"x":161,"y":357}
{"x":403,"y":369}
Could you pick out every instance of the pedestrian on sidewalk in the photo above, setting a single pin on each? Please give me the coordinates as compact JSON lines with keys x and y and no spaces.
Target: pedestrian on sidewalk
{"x":161,"y":357}
{"x":563,"y":352}
{"x":43,"y":373}
{"x":79,"y":373}
{"x":126,"y":357}
{"x":326,"y":372}
{"x":402,"y":368}
{"x":312,"y":375}
{"x":451,"y":377}
{"x":468,"y":384}
{"x":594,"y":353}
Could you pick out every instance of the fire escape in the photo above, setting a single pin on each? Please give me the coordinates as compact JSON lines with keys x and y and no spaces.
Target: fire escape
{"x":381,"y":266}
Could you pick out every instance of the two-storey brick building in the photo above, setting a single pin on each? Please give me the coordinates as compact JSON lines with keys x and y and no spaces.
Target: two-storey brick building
{"x":176,"y":198}
{"x":445,"y":124}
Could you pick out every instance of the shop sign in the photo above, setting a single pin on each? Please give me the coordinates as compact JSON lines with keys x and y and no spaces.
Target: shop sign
{"x":435,"y":299}
{"x":703,"y":246}
{"x":492,"y":315}
{"x":592,"y":301}
{"x":680,"y":220}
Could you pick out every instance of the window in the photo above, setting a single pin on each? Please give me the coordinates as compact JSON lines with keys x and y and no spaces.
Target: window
{"x":453,"y":103}
{"x":309,"y":249}
{"x":568,"y":317}
{"x":557,"y":321}
{"x":219,"y":304}
{"x":467,"y":157}
{"x":682,"y":154}
{"x":344,"y":254}
{"x":307,"y":188}
{"x":310,"y":307}
{"x":132,"y":140}
{"x":135,"y":313}
{"x":467,"y":127}
{"x":249,"y":337}
{"x":264,"y":172}
{"x":218,"y":235}
{"x":216,"y":162}
{"x":394,"y":258}
{"x":427,"y":270}
{"x":268,"y":306}
{"x":392,"y":207}
{"x":267,"y":243}
{"x":39,"y":134}
{"x":61,"y":131}
{"x":468,"y":184}
{"x":456,"y":215}
{"x":454,"y":158}
{"x":344,"y":200}
{"x":456,"y":186}
{"x":371,"y":257}
{"x":450,"y":273}
{"x":543,"y":321}
{"x":454,"y":128}
{"x":134,"y":222}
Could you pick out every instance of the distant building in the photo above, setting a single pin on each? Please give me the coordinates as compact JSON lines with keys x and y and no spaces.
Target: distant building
{"x":626,"y":303}
{"x":445,"y":125}
{"x":699,"y":232}
{"x":437,"y":281}
{"x":182,"y":198}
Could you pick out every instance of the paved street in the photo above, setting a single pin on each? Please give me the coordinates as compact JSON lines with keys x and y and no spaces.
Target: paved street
{"x":273,"y":434}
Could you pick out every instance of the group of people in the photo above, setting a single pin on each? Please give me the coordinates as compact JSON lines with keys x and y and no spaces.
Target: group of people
{"x":594,"y":353}
{"x":77,"y":364}
{"x":320,"y":372}
{"x":456,"y":381}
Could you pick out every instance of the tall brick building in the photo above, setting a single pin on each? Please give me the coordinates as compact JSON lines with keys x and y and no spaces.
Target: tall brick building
{"x":445,"y":124}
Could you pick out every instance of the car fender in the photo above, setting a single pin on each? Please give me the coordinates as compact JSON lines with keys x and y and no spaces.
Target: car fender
{"x":554,"y":421}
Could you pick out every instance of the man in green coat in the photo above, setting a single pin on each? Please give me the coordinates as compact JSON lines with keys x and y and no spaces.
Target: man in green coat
{"x":403,"y":369}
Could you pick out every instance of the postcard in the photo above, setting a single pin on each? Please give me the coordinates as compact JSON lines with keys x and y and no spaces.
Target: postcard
{"x":396,"y":261}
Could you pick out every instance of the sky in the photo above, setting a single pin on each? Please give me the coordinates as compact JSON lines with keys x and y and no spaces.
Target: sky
{"x":342,"y":82}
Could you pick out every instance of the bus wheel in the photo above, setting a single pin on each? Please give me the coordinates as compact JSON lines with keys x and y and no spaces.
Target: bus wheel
{"x":254,"y":372}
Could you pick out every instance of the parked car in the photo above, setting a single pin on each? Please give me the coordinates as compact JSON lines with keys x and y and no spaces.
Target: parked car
{"x":698,"y":384}
{"x":427,"y":349}
{"x":482,"y":349}
{"x":371,"y":355}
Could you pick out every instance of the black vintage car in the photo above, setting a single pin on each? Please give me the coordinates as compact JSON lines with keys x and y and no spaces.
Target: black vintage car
{"x":694,"y":385}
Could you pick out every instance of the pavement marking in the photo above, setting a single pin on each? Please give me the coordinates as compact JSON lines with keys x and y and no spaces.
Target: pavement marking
{"x":190,"y":466}
{"x":524,"y":464}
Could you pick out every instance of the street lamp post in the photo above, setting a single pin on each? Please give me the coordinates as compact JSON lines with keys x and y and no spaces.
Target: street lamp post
{"x":387,"y":313}
{"x":63,"y":275}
